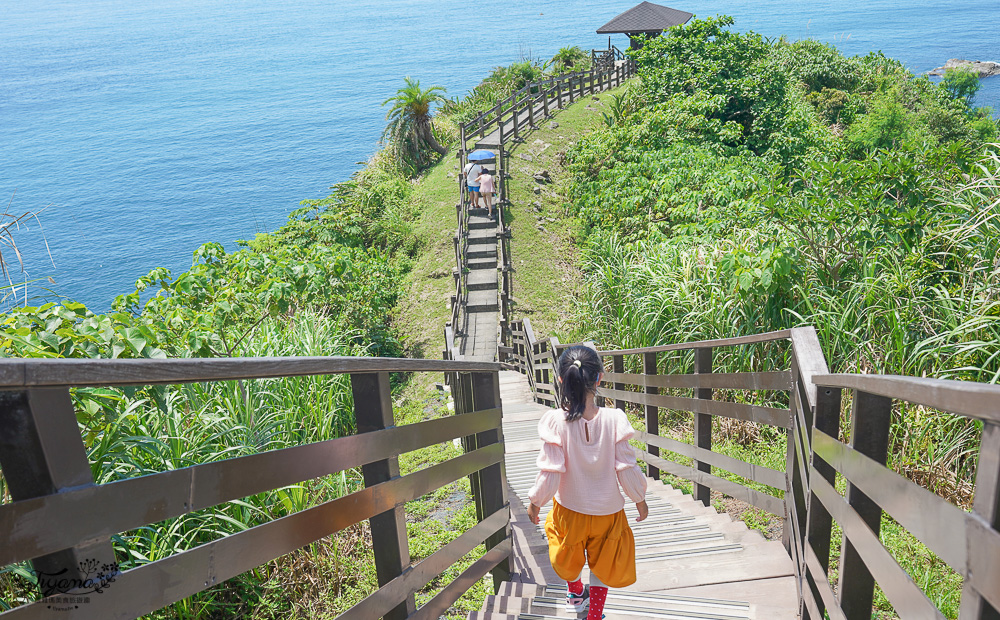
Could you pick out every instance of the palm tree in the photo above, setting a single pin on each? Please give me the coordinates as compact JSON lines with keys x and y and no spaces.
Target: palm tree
{"x":409,"y":128}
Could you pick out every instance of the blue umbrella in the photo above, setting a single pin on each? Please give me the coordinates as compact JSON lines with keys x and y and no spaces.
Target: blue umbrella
{"x":481,"y":155}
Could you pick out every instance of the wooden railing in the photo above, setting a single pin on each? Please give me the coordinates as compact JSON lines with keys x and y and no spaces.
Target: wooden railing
{"x":805,"y":494}
{"x":605,"y":58}
{"x":536,"y":101}
{"x":60,"y":517}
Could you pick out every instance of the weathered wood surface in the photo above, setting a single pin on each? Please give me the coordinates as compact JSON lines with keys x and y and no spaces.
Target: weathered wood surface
{"x":23,"y":373}
{"x":691,"y":559}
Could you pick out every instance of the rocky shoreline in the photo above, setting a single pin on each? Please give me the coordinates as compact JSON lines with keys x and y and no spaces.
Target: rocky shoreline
{"x":985,"y":69}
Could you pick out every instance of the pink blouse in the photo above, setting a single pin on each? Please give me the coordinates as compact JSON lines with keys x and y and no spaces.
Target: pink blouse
{"x":583,"y":462}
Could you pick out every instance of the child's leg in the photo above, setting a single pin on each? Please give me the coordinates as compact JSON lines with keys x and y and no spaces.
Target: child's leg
{"x":598,"y":594}
{"x":577,"y":598}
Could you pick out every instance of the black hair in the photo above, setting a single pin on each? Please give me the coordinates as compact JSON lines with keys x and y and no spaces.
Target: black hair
{"x":579,"y":367}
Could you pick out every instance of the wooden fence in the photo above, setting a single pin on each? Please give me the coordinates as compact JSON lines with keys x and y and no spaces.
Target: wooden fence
{"x":536,"y":101}
{"x":60,"y":517}
{"x":804,"y":492}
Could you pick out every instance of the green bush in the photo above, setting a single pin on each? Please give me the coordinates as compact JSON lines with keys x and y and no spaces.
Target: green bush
{"x":961,"y":83}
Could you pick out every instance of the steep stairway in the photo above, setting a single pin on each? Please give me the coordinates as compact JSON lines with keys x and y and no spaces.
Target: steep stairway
{"x":479,"y":330}
{"x":692,"y":562}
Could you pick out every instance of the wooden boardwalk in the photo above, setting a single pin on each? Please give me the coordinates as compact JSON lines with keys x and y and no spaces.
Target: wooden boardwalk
{"x":692,"y":561}
{"x":479,"y":327}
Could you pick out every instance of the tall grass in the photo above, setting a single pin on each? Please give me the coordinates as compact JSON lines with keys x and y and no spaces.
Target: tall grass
{"x":896,"y":315}
{"x":157,"y":429}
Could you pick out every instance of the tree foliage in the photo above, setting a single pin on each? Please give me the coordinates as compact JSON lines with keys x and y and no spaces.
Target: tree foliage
{"x":409,"y":133}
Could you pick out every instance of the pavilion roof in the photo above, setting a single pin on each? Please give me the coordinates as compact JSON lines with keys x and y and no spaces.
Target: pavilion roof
{"x":645,"y":17}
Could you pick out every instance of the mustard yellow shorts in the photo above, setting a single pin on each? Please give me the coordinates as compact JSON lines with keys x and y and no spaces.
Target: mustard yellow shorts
{"x":605,"y":543}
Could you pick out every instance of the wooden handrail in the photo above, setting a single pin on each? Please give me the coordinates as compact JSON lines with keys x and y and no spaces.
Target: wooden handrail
{"x":30,"y":373}
{"x":968,"y":542}
{"x":60,"y":517}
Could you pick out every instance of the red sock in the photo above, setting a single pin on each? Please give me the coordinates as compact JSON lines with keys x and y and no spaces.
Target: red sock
{"x":597,"y":596}
{"x":576,"y":587}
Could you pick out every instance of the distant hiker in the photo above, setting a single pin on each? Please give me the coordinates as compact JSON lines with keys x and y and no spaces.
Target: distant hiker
{"x":472,"y":171}
{"x":486,"y":188}
{"x":584,"y":457}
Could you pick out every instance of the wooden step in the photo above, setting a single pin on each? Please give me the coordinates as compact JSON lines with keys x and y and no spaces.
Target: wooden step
{"x":487,"y":262}
{"x":490,"y":615}
{"x":483,"y":250}
{"x":621,"y":604}
{"x":481,"y":222}
{"x":481,"y":280}
{"x":482,"y":301}
{"x":482,"y":236}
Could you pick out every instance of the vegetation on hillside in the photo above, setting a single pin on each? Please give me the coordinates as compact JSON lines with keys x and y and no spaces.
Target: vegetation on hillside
{"x":329,"y":282}
{"x":745,"y":185}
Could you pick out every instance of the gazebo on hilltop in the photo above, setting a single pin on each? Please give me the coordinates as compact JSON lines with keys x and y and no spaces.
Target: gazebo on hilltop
{"x":643,"y":21}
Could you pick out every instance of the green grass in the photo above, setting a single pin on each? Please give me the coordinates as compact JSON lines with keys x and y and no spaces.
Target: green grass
{"x":547,"y":279}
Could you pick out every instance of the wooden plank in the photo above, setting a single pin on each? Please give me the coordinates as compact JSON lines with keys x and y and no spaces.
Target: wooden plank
{"x":871,"y":418}
{"x":492,"y":479}
{"x":444,"y":599}
{"x":723,"y":342}
{"x":777,"y":380}
{"x":703,"y":422}
{"x":649,"y":367}
{"x":157,"y":497}
{"x":772,"y":416}
{"x":391,"y":594}
{"x":769,"y":599}
{"x":42,"y":453}
{"x":757,"y":473}
{"x":808,"y":359}
{"x":822,"y":583}
{"x":981,"y":592}
{"x":825,"y":418}
{"x":149,"y":587}
{"x":618,"y":366}
{"x":373,"y":412}
{"x":937,"y":523}
{"x":906,"y":598}
{"x":751,"y":496}
{"x":768,"y":561}
{"x":104,"y":372}
{"x":975,"y":400}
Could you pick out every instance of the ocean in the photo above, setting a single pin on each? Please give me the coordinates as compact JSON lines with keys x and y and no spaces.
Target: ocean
{"x":144,"y":129}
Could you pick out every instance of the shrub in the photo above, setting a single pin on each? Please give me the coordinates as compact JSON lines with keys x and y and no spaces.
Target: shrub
{"x":961,"y":83}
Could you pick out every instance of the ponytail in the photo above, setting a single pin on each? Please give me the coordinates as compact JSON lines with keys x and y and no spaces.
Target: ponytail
{"x":579,"y":368}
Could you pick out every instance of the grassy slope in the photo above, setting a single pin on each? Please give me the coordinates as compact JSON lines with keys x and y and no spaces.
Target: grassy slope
{"x":547,"y":279}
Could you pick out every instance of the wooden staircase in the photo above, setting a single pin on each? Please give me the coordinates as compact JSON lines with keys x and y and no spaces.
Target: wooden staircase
{"x":692,"y":562}
{"x":478,"y":338}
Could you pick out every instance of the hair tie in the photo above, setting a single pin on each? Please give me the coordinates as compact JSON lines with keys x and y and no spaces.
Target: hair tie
{"x":577,"y":363}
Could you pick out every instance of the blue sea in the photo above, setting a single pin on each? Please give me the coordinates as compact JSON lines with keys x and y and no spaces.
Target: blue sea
{"x":144,"y":129}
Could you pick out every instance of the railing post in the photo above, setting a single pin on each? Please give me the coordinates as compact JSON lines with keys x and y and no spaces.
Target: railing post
{"x":559,"y":93}
{"x":819,"y":523}
{"x":569,"y":83}
{"x":986,"y":506}
{"x":531,"y":108}
{"x":870,"y":421}
{"x":482,"y":125}
{"x":618,"y":367}
{"x":373,"y":412}
{"x":580,"y":85}
{"x":516,"y":115}
{"x":703,"y":423}
{"x":42,"y":453}
{"x":649,"y":367}
{"x":492,"y":479}
{"x":545,"y":103}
